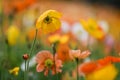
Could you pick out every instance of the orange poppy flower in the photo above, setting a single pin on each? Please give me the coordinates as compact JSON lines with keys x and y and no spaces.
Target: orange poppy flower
{"x":89,"y":67}
{"x":107,"y":60}
{"x":21,"y":5}
{"x":108,"y":72}
{"x":63,"y":52}
{"x":45,"y":62}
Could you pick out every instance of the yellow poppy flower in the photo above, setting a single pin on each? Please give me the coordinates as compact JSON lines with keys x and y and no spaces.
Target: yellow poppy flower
{"x":49,"y":21}
{"x":108,"y":72}
{"x":93,"y":28}
{"x":14,"y":71}
{"x":62,"y":39}
{"x":12,"y":35}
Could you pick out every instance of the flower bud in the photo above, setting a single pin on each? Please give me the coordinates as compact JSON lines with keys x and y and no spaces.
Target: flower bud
{"x":25,"y":56}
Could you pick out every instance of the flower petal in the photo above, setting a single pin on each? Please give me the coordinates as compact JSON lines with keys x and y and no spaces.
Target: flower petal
{"x":46,"y":72}
{"x":74,"y":53}
{"x":84,"y":54}
{"x":42,"y":55}
{"x":40,"y":68}
{"x":58,"y":63}
{"x":53,"y":13}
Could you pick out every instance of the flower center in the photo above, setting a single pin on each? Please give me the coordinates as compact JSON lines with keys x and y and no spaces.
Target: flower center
{"x":65,"y":52}
{"x":48,"y":20}
{"x":92,"y":28}
{"x":48,"y":63}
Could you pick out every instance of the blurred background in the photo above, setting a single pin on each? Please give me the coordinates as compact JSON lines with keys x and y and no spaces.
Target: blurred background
{"x":21,"y":15}
{"x":73,"y":10}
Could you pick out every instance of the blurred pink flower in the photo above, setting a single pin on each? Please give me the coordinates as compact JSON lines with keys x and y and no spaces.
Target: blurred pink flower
{"x":45,"y":62}
{"x":78,"y":54}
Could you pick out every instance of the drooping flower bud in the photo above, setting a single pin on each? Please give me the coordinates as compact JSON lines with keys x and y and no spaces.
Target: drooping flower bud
{"x":25,"y":56}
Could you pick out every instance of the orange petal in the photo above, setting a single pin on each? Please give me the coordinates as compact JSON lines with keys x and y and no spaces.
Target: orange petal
{"x":42,"y":55}
{"x":59,"y":63}
{"x":108,"y":60}
{"x":75,"y":53}
{"x":46,"y":72}
{"x":40,"y":68}
{"x":53,"y":72}
{"x":87,"y":67}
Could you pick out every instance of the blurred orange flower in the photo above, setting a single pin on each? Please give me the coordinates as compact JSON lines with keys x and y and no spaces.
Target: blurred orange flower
{"x":89,"y":67}
{"x":45,"y":62}
{"x":21,"y":5}
{"x":108,"y":72}
{"x":16,"y":5}
{"x":63,"y":52}
{"x":31,"y":33}
{"x":107,"y":60}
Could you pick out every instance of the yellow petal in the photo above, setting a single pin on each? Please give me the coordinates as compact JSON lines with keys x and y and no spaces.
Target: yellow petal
{"x":50,"y":13}
{"x":92,"y":28}
{"x":92,"y":22}
{"x":64,"y":39}
{"x":54,"y":38}
{"x":51,"y":27}
{"x":14,"y":71}
{"x":84,"y":23}
{"x":109,"y":72}
{"x":55,"y":14}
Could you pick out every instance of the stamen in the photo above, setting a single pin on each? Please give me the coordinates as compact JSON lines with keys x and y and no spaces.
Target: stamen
{"x":47,"y":20}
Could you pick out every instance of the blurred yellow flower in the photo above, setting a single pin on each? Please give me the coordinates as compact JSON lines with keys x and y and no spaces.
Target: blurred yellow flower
{"x":93,"y":28}
{"x":14,"y":71}
{"x":108,"y":72}
{"x":49,"y":21}
{"x":12,"y":35}
{"x":54,"y":38}
{"x":64,"y":39}
{"x":60,"y":38}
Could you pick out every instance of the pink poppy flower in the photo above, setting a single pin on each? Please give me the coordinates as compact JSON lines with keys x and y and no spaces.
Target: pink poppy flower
{"x":45,"y":62}
{"x":78,"y":54}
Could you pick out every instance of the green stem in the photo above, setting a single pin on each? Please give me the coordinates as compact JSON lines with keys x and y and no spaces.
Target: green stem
{"x":54,"y":51}
{"x":49,"y":76}
{"x":31,"y":50}
{"x":25,"y":70}
{"x":77,"y":61}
